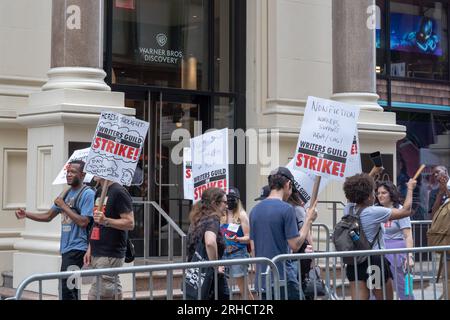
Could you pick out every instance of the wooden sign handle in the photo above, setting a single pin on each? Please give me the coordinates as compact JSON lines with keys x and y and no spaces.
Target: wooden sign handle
{"x":315,"y":190}
{"x":105,"y":187}
{"x":419,"y":171}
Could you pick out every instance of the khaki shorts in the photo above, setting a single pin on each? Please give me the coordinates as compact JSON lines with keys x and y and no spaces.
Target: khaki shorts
{"x":108,"y":289}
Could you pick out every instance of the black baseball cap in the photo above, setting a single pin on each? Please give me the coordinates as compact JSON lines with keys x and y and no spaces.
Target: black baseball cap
{"x":234,"y":193}
{"x":285,"y":172}
{"x":265,"y":191}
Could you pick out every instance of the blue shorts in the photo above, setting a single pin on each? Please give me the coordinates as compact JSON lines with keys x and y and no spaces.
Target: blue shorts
{"x":238,"y":270}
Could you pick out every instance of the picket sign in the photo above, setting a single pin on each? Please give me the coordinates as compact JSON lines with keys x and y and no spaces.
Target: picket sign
{"x":115,"y":149}
{"x":81,"y":154}
{"x":209,"y":154}
{"x":188,"y":181}
{"x":326,"y":138}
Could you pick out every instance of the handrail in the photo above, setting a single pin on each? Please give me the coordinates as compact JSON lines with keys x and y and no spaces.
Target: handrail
{"x":172,"y":224}
{"x":334,"y":203}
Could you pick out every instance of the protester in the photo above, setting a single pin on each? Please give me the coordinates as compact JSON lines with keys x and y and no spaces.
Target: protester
{"x":235,"y":229}
{"x":205,"y":226}
{"x":264,"y":193}
{"x":273,"y":229}
{"x":397,"y":235}
{"x":107,"y":247}
{"x":76,"y":206}
{"x":441,"y":193}
{"x":359,"y":191}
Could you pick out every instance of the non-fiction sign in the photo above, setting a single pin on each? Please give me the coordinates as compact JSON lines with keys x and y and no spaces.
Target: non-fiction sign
{"x":81,"y":154}
{"x":210,"y":162}
{"x":116,"y":147}
{"x":326,"y":138}
{"x":188,"y":182}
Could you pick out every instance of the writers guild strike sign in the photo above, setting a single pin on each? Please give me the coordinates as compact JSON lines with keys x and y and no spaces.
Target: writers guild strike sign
{"x":81,"y":154}
{"x":326,"y":138}
{"x":304,"y":182}
{"x":188,"y":182}
{"x":116,"y":147}
{"x":210,"y":162}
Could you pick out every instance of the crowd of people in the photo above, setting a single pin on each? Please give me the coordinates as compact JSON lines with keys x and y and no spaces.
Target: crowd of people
{"x":279,"y":223}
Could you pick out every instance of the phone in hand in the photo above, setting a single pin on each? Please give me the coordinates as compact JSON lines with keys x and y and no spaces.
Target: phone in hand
{"x":377,"y":159}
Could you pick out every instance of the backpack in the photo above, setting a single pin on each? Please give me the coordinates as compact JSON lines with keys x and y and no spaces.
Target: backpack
{"x":77,"y":209}
{"x":343,"y":241}
{"x":439,"y":232}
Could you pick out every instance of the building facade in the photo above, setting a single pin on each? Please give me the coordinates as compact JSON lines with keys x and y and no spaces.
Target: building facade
{"x":202,"y":64}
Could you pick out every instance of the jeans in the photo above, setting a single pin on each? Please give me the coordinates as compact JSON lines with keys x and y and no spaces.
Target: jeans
{"x":71,"y":258}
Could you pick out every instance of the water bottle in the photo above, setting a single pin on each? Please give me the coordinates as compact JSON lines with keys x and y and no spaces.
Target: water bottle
{"x":409,"y":284}
{"x":354,"y":236}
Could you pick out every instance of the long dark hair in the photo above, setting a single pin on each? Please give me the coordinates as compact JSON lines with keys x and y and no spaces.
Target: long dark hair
{"x":207,"y":206}
{"x":295,"y":199}
{"x":393,"y":193}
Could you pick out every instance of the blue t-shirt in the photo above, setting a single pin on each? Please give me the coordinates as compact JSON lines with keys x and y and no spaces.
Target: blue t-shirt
{"x":372,"y":218}
{"x":272,"y":223}
{"x":74,"y":237}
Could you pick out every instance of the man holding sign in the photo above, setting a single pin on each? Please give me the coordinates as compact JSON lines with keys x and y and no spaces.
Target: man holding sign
{"x":113,"y":158}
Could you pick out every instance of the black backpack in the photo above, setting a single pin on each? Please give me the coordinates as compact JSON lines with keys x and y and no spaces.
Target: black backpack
{"x":343,"y":241}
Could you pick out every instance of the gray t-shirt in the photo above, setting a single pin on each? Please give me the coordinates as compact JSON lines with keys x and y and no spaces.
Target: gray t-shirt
{"x":393,"y":229}
{"x":371,"y":221}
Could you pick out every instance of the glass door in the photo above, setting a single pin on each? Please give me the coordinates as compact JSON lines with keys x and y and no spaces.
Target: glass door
{"x":171,"y":117}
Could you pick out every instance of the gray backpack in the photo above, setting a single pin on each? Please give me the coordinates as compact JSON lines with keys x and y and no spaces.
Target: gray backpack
{"x":343,"y":240}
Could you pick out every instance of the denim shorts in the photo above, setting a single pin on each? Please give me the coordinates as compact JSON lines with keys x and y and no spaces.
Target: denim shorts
{"x":236,"y":271}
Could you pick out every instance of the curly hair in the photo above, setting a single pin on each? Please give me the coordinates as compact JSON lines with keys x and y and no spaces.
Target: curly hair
{"x":358,"y":188}
{"x":208,"y":206}
{"x":393,"y":192}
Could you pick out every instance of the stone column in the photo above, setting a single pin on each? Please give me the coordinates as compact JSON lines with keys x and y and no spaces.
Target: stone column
{"x":77,"y":46}
{"x":67,"y":110}
{"x":354,"y":55}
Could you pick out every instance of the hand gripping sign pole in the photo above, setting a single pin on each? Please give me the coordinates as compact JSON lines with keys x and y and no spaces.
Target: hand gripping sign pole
{"x":115,"y":152}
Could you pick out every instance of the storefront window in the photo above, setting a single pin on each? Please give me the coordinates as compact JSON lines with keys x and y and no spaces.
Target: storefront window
{"x":426,"y":143}
{"x":381,"y":37}
{"x":419,"y":39}
{"x":161,"y":43}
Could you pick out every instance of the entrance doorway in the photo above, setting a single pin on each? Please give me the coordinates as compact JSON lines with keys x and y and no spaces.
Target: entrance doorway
{"x":161,"y":163}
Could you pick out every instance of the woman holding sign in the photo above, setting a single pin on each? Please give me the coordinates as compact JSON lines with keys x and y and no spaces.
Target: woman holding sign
{"x":236,"y":231}
{"x":397,"y":235}
{"x":359,"y":191}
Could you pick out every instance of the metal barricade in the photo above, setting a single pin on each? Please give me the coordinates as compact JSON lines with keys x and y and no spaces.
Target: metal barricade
{"x":271,"y":276}
{"x":337,"y":286}
{"x":320,"y":233}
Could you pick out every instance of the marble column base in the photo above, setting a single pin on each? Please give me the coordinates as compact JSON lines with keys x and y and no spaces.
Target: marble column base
{"x":367,"y":101}
{"x":76,"y":78}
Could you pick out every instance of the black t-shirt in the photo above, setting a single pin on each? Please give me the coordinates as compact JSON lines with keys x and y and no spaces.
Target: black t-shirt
{"x":197,"y":233}
{"x":113,"y":242}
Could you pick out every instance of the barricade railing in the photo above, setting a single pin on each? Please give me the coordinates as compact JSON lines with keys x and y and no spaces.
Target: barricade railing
{"x":270,"y":276}
{"x":335,"y":283}
{"x":320,"y":234}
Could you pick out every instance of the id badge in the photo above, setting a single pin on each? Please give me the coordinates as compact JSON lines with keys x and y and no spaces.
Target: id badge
{"x":233,"y":227}
{"x":95,"y":234}
{"x":66,"y":228}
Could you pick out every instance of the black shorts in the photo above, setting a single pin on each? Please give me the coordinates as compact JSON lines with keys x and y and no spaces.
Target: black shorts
{"x":364,"y":273}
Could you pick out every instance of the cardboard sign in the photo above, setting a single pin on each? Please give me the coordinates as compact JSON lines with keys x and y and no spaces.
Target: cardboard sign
{"x":210,"y":162}
{"x":304,"y":182}
{"x":354,"y":160}
{"x":326,"y":138}
{"x":81,"y":154}
{"x":188,"y":181}
{"x":116,"y":147}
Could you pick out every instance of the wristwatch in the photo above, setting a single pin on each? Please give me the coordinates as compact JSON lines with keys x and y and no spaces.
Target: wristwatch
{"x":106,"y":224}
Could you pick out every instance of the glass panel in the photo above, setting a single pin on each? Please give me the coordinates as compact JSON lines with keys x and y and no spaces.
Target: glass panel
{"x":419,"y":39}
{"x":223,"y":57}
{"x":426,"y":143}
{"x":162,"y":43}
{"x":224,"y":109}
{"x":381,"y":37}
